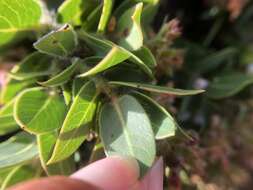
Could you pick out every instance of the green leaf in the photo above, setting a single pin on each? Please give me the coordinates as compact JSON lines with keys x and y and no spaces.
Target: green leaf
{"x":46,"y":143}
{"x":18,"y":174}
{"x":17,"y":16}
{"x":12,"y":88}
{"x":77,"y":85}
{"x":130,"y":22}
{"x":163,"y":124}
{"x":102,"y":46}
{"x":105,"y":16}
{"x":59,"y":43}
{"x":72,"y":11}
{"x":228,"y":85}
{"x":75,"y":126}
{"x":114,"y":57}
{"x":92,"y":21}
{"x":27,"y":71}
{"x":7,"y":121}
{"x":38,"y":111}
{"x":62,"y":77}
{"x":33,"y":66}
{"x":125,"y":129}
{"x":17,"y":150}
{"x":157,"y":89}
{"x":149,"y":12}
{"x":146,"y":56}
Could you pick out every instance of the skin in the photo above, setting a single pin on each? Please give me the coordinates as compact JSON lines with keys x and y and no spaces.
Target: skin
{"x":112,"y":173}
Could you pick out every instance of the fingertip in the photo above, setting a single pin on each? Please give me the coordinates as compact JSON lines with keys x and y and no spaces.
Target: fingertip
{"x":112,"y":173}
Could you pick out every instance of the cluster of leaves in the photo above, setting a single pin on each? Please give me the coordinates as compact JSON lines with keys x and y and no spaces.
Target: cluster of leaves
{"x":91,"y":75}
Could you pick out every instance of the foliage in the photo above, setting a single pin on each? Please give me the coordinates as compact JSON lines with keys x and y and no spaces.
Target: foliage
{"x":98,"y":75}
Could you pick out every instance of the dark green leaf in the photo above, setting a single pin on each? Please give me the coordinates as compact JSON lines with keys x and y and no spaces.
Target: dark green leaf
{"x":114,"y":57}
{"x":146,"y":56}
{"x":38,"y":111}
{"x":158,"y":89}
{"x":60,"y":43}
{"x":125,"y":129}
{"x":62,"y":77}
{"x":228,"y":85}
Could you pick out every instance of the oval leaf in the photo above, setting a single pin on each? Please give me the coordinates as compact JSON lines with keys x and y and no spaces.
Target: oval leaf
{"x":17,"y":16}
{"x":37,"y":111}
{"x":76,"y":123}
{"x":163,"y":124}
{"x":157,"y":89}
{"x":60,"y":43}
{"x":126,"y":130}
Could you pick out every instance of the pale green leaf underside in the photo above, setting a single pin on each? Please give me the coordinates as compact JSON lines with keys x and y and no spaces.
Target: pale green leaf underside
{"x":76,"y":123}
{"x":163,"y":123}
{"x":125,"y":129}
{"x":60,"y":43}
{"x":228,"y":85}
{"x":16,"y":16}
{"x":37,"y":111}
{"x":17,"y":150}
{"x":157,"y":89}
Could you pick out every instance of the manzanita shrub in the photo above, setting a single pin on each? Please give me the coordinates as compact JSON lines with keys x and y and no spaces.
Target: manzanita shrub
{"x":88,"y":74}
{"x":91,"y":76}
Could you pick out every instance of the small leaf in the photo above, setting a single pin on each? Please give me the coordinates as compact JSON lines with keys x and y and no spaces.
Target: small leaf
{"x":72,"y":11}
{"x":17,"y":16}
{"x":130,"y":22}
{"x":102,"y":47}
{"x":67,"y":93}
{"x":158,"y":89}
{"x":146,"y":56}
{"x":18,"y":174}
{"x":60,"y":43}
{"x":62,"y":77}
{"x":77,"y":85}
{"x":75,"y":126}
{"x":163,"y":124}
{"x":125,"y":129}
{"x":92,"y":21}
{"x":17,"y":150}
{"x":46,"y":144}
{"x":228,"y":85}
{"x":106,"y":12}
{"x":37,"y":111}
{"x":114,"y":57}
